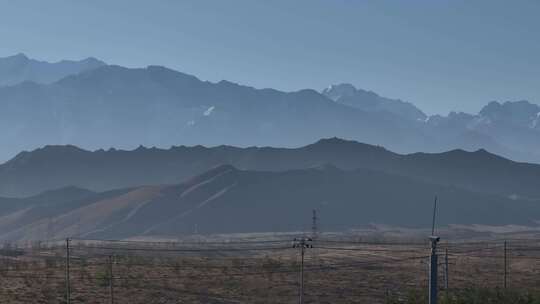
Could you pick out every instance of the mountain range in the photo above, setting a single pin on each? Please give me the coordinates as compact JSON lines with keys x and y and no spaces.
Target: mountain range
{"x":19,"y":68}
{"x":225,"y":199}
{"x":64,"y":191}
{"x":93,"y":105}
{"x":115,"y":152}
{"x":52,"y":167}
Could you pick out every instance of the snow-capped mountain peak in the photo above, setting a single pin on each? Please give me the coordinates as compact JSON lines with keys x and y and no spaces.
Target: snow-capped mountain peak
{"x":337,"y":91}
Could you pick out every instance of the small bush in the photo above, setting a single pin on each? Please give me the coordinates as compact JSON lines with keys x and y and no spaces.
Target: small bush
{"x":468,"y":296}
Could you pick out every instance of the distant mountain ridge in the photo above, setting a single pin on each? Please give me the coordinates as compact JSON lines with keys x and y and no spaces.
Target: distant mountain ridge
{"x":19,"y":68}
{"x":59,"y":166}
{"x":112,"y":106}
{"x":347,"y":94}
{"x":100,"y":106}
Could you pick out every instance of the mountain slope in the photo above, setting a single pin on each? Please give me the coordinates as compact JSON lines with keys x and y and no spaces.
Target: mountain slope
{"x":347,"y":94}
{"x":227,"y":200}
{"x":19,"y":68}
{"x":59,"y":166}
{"x":510,"y":128}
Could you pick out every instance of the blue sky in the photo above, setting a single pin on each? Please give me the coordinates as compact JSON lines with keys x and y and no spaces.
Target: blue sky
{"x":440,"y":55}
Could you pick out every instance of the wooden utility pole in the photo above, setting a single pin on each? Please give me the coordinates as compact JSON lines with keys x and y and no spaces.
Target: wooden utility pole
{"x":68,"y":287}
{"x":446,"y":284}
{"x":302,"y":243}
{"x":111,"y":279}
{"x":505,"y":266}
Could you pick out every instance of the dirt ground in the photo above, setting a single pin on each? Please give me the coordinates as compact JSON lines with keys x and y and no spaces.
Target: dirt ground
{"x":335,"y":271}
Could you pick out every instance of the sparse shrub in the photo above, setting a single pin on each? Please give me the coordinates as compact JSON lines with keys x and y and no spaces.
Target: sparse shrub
{"x":468,"y":296}
{"x":103,"y":278}
{"x":271,"y":266}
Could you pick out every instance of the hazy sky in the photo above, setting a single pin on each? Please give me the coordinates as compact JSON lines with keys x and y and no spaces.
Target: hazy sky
{"x":440,"y":55}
